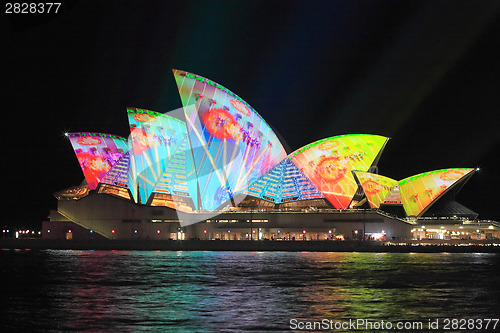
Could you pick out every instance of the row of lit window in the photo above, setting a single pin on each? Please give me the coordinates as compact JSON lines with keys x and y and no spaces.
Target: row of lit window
{"x":113,"y":231}
{"x":235,"y":221}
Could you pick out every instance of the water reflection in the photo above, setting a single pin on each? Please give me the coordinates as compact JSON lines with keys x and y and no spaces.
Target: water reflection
{"x":128,"y":291}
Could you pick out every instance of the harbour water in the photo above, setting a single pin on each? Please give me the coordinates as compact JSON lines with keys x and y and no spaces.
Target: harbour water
{"x":188,"y":291}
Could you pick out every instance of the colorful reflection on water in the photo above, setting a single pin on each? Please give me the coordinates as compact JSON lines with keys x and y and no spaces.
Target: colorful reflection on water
{"x":128,"y":291}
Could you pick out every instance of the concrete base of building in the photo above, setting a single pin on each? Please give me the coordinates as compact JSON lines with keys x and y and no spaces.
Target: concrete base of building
{"x":120,"y":219}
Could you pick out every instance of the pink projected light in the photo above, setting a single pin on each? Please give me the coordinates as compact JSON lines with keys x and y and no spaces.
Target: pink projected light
{"x":97,"y":153}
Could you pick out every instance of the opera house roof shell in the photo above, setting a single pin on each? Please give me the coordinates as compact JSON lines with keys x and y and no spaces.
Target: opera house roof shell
{"x":219,"y":150}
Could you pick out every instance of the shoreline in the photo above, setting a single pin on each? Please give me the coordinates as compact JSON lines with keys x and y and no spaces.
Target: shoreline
{"x":431,"y":246}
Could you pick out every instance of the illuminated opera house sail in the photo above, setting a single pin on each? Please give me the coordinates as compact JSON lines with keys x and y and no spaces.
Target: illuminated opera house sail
{"x":219,"y":156}
{"x":232,"y":146}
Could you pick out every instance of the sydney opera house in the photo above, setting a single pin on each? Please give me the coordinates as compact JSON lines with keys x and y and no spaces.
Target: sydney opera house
{"x":216,"y":170}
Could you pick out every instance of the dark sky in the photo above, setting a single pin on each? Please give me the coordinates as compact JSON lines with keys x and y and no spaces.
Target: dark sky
{"x":425,"y":73}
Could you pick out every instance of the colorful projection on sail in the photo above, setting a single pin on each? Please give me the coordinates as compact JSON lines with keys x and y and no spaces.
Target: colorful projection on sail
{"x":232,"y":145}
{"x":97,"y":153}
{"x":179,"y":176}
{"x":118,"y":174}
{"x":154,"y":138}
{"x":376,"y":187}
{"x":419,"y":191}
{"x":328,"y":164}
{"x":284,"y":183}
{"x":394,"y":197}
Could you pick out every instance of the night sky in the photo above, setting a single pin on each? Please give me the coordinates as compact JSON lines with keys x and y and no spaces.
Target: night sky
{"x":425,"y":73}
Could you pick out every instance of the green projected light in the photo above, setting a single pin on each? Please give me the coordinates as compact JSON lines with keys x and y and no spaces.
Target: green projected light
{"x":328,"y":164}
{"x":419,"y":191}
{"x":376,"y":187}
{"x":394,"y":196}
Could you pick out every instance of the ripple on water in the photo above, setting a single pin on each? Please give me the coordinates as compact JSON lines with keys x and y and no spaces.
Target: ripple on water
{"x":129,"y":291}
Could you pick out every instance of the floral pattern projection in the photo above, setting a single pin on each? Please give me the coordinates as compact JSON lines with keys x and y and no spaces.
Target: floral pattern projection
{"x":97,"y":153}
{"x":232,"y":145}
{"x":419,"y":191}
{"x":328,"y":164}
{"x":154,"y":138}
{"x":375,"y":187}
